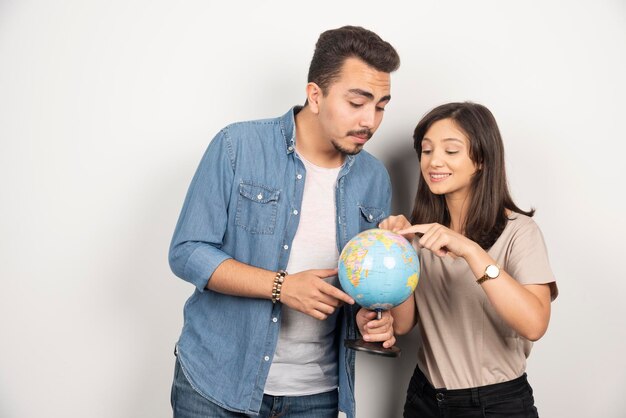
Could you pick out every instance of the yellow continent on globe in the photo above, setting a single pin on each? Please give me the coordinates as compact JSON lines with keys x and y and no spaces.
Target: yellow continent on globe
{"x":412,"y":281}
{"x":355,"y":252}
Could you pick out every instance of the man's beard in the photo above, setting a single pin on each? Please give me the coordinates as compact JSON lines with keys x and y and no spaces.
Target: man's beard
{"x":357,"y":148}
{"x":346,"y":151}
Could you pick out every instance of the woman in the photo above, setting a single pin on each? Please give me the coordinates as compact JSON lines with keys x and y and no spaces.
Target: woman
{"x":485,"y":284}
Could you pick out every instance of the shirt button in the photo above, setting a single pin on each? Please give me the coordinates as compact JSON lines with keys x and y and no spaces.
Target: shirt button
{"x":371,"y":217}
{"x":286,"y":247}
{"x":274,"y":319}
{"x":299,"y":176}
{"x":290,"y":148}
{"x":260,"y":196}
{"x":295,"y":212}
{"x":266,"y":358}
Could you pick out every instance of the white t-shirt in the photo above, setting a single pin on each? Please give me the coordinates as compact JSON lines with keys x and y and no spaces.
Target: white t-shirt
{"x":305,"y":361}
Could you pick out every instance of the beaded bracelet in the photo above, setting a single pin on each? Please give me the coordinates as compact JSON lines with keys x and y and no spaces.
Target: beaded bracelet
{"x":278,"y":284}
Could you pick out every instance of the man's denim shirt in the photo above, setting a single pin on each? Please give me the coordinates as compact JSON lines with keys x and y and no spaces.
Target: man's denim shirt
{"x":243,"y":203}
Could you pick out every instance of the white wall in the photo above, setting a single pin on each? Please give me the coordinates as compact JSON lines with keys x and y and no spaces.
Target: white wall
{"x":107,"y":106}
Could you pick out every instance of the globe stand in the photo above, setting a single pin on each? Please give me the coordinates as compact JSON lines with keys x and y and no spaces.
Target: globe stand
{"x":373,"y":348}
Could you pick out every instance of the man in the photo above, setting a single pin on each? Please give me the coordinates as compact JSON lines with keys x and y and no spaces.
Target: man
{"x":276,"y":196}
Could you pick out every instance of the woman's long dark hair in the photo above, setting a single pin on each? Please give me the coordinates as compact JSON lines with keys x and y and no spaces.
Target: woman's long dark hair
{"x":489,"y":192}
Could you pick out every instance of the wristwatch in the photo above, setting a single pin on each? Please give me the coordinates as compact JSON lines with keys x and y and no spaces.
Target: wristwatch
{"x":492,"y":271}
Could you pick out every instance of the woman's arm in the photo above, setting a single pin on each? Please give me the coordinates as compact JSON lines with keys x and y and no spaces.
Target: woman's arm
{"x":404,"y":316}
{"x":525,"y":308}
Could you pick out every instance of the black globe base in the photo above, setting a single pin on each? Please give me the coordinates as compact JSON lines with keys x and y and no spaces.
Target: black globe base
{"x":372,"y":348}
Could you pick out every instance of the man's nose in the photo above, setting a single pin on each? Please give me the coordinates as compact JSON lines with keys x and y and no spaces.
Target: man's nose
{"x":368,"y":118}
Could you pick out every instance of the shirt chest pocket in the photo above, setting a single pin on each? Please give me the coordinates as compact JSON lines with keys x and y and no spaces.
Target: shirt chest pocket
{"x":370,"y":217}
{"x":257,"y":206}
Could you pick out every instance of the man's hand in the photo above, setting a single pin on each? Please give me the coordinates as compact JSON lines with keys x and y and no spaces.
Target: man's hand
{"x":308,"y":293}
{"x":374,"y":329}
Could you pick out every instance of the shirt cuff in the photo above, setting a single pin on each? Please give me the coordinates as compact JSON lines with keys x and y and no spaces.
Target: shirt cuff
{"x":201,"y":265}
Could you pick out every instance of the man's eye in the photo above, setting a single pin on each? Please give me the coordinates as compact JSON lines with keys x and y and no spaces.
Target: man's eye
{"x":356,"y":104}
{"x":380,"y":109}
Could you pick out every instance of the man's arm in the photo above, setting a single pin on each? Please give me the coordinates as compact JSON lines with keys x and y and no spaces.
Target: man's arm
{"x":195,"y":251}
{"x":196,"y":256}
{"x":305,"y":291}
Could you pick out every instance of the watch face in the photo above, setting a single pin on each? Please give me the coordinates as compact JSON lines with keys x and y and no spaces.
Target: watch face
{"x":492,"y":271}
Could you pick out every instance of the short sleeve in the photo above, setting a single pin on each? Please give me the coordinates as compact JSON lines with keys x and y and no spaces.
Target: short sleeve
{"x":527,"y":261}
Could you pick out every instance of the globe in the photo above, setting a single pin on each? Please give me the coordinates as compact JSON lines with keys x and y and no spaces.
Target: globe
{"x":379,"y":269}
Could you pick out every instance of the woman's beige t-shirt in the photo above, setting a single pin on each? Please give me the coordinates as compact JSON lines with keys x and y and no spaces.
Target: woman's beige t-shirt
{"x":465,"y":343}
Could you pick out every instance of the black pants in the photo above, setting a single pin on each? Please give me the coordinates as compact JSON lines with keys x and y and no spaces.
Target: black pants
{"x":512,"y":399}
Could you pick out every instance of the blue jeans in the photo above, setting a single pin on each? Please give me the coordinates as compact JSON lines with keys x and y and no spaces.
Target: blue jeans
{"x":512,"y":399}
{"x":187,"y":403}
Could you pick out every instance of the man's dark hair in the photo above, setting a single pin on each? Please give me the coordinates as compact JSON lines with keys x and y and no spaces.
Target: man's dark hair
{"x":336,"y":45}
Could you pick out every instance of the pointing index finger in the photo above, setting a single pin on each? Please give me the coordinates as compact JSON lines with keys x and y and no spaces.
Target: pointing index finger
{"x":323,"y":273}
{"x":331,"y":290}
{"x":418,"y":230}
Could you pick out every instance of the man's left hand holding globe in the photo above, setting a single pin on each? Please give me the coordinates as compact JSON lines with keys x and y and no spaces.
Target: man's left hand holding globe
{"x":377,"y":330}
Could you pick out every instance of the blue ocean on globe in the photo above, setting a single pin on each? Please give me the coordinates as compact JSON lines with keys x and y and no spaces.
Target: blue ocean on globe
{"x":379,"y":269}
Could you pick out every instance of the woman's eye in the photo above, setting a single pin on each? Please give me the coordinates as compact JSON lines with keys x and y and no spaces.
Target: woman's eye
{"x":452,"y":152}
{"x":426,"y":151}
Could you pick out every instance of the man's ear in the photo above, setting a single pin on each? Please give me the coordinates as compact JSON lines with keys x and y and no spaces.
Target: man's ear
{"x":313,"y":95}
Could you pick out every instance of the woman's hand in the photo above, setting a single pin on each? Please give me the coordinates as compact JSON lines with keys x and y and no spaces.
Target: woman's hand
{"x":397,"y":223}
{"x":373,"y":329}
{"x":441,"y":240}
{"x":525,"y":308}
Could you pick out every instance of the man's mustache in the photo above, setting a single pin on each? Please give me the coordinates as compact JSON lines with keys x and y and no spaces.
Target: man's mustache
{"x":362,"y":132}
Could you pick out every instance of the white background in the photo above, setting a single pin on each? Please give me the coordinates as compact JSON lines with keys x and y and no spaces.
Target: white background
{"x":107,"y":106}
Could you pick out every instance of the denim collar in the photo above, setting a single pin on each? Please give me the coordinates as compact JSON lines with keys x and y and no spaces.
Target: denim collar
{"x":288,"y":130}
